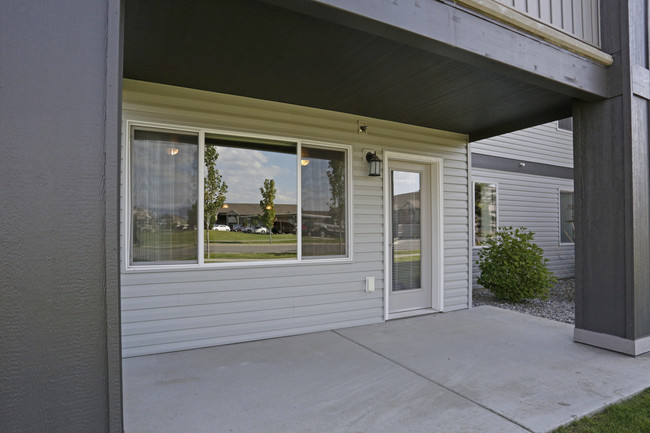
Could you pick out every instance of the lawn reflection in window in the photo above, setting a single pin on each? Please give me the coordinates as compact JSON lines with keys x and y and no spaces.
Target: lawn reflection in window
{"x":485,"y":211}
{"x":237,"y":230}
{"x":323,"y":195}
{"x":164,"y":188}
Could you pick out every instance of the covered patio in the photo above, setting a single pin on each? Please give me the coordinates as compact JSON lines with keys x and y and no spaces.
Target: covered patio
{"x":484,"y":369}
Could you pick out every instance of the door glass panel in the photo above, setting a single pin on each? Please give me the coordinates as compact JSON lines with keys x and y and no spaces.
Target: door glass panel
{"x":406,"y":233}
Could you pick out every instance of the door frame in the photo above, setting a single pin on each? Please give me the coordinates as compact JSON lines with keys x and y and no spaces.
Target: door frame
{"x":437,"y":231}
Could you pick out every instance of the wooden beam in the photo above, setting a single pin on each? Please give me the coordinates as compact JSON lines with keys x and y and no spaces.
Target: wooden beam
{"x":516,"y":19}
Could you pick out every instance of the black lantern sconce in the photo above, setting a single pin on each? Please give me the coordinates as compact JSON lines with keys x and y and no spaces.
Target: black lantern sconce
{"x":375,"y":164}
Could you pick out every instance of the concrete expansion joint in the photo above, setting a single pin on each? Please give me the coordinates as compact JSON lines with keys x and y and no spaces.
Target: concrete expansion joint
{"x":500,"y":415}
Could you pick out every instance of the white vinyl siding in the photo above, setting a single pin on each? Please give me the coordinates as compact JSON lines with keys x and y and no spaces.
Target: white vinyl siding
{"x":533,"y":202}
{"x":544,"y":144}
{"x":579,"y":18}
{"x":176,"y":309}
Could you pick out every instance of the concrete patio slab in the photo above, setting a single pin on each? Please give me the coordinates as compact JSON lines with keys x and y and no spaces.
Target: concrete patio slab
{"x":525,"y":368}
{"x":480,"y":370}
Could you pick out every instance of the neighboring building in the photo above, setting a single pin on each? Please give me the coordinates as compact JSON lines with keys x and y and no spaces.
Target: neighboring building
{"x":329,"y":81}
{"x":525,"y":179}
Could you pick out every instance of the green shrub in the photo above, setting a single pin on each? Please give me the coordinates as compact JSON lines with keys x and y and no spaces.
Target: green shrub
{"x":513,"y":267}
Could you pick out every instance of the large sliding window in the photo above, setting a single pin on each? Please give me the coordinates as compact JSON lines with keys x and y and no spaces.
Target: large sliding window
{"x":253,"y":200}
{"x":485,"y":211}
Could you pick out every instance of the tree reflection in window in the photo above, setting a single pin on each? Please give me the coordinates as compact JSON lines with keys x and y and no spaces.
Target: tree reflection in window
{"x":323,"y":179}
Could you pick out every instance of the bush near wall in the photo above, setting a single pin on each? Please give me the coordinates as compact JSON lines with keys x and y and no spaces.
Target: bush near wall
{"x":513,"y":267}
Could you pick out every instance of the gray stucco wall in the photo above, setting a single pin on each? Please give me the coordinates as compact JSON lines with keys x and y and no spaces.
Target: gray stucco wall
{"x":59,"y":104}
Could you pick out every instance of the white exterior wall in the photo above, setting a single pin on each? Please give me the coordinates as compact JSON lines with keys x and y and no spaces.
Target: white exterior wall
{"x":528,"y":200}
{"x":174,"y":309}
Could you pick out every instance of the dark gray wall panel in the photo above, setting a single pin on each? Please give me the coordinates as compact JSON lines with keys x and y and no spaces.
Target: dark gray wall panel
{"x":57,"y":67}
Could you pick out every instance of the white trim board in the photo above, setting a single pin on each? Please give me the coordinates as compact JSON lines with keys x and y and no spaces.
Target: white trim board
{"x":611,"y":342}
{"x":437,"y":228}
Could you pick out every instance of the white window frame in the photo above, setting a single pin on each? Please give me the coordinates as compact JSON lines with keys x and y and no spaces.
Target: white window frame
{"x":131,"y":124}
{"x":496,"y":185}
{"x":437,"y":226}
{"x":559,"y":215}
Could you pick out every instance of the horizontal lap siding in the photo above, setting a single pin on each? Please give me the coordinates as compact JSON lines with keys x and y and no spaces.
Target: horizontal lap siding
{"x":543,"y":144}
{"x":532,"y":202}
{"x":168,"y":310}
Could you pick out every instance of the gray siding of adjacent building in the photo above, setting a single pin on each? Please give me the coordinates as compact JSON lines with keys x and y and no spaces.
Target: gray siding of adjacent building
{"x":543,"y":144}
{"x":531,"y":201}
{"x":168,"y":310}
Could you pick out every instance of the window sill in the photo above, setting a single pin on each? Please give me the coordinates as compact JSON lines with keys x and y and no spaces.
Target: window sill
{"x":194,"y":267}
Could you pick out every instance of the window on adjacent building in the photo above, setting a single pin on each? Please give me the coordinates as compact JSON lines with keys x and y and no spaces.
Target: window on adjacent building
{"x":247,"y":209}
{"x":567,"y":222}
{"x":485,"y":211}
{"x":565,"y":124}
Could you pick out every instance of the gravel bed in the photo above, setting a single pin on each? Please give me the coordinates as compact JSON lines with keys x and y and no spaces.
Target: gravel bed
{"x":559,"y":306}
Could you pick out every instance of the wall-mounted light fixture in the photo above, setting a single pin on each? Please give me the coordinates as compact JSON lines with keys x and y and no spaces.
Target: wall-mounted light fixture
{"x":362,"y":127}
{"x":304,"y":162}
{"x":171,"y":151}
{"x":375,"y":164}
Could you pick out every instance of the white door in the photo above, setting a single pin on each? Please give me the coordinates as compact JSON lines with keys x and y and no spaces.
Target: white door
{"x":410,"y":237}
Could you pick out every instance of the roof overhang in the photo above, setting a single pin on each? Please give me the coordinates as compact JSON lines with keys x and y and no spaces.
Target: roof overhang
{"x":425,"y":63}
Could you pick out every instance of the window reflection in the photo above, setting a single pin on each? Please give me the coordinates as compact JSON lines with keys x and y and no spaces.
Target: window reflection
{"x":239,"y":231}
{"x":164,"y":178}
{"x":485,"y":211}
{"x":249,"y":204}
{"x":406,"y":230}
{"x":323,"y":195}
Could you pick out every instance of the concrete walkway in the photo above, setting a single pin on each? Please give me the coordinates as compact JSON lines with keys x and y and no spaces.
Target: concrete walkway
{"x":480,"y":370}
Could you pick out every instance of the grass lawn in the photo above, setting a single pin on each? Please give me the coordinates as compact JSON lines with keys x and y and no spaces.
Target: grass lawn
{"x":166,"y":238}
{"x":233,"y":257}
{"x":407,"y":256}
{"x":630,"y":416}
{"x":250,"y":238}
{"x":247,"y":238}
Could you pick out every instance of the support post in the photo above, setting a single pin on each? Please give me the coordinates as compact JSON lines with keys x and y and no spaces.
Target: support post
{"x":612,"y":192}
